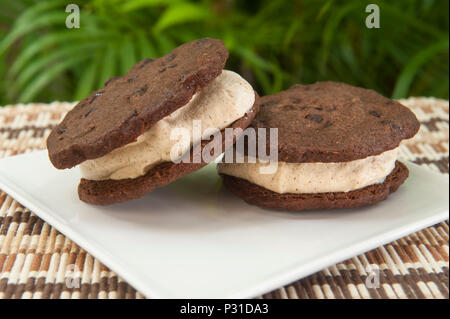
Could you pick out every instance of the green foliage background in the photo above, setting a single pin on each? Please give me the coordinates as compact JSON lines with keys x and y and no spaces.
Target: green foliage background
{"x":272,"y":43}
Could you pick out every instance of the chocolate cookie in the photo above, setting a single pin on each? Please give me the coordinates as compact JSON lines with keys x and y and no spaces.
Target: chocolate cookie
{"x":127,"y":106}
{"x":115,"y":191}
{"x":257,"y":195}
{"x":334,"y":122}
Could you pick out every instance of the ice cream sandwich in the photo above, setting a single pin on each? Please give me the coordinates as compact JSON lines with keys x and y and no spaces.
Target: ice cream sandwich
{"x":121,"y":135}
{"x":337,"y":148}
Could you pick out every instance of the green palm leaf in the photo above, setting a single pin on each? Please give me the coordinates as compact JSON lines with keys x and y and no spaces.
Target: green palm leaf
{"x":87,"y":84}
{"x":182,"y":13}
{"x":42,"y":62}
{"x":407,"y":75}
{"x":140,"y":4}
{"x":60,"y":38}
{"x":275,"y":42}
{"x":109,"y":65}
{"x":45,"y":78}
{"x":24,"y":28}
{"x":127,"y":55}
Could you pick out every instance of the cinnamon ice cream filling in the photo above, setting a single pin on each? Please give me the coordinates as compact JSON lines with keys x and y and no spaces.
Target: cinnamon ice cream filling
{"x":306,"y":178}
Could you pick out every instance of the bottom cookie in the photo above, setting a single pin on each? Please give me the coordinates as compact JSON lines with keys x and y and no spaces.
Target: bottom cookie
{"x":110,"y":191}
{"x":259,"y":196}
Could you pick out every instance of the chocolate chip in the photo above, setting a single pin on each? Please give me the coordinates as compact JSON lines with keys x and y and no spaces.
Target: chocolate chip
{"x":96,"y":95}
{"x":305,"y":107}
{"x":167,"y":67}
{"x":132,"y":79}
{"x":182,"y":76}
{"x":140,"y":91}
{"x":110,"y":80}
{"x":83,"y":104}
{"x":201,"y":42}
{"x":145,"y":62}
{"x":375,"y":113}
{"x":289,"y":107}
{"x":391,"y":124}
{"x":88,"y":112}
{"x":61,"y":129}
{"x":270,"y":103}
{"x":314,"y":117}
{"x":89,"y":130}
{"x":171,"y":57}
{"x":133,"y":114}
{"x":327,"y":124}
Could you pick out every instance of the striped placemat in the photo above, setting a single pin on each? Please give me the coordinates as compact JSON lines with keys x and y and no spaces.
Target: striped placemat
{"x":36,"y":261}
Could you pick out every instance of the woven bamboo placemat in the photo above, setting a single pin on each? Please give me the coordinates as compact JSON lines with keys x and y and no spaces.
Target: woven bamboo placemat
{"x":36,"y":261}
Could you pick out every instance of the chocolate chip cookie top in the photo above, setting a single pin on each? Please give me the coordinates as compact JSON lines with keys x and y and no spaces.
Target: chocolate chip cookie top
{"x":334,"y":122}
{"x":127,"y":106}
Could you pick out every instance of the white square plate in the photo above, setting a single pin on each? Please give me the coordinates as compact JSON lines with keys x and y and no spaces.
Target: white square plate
{"x":195,"y":239}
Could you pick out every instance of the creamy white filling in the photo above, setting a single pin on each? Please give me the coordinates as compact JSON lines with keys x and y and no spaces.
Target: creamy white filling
{"x":306,"y":178}
{"x":223,"y":101}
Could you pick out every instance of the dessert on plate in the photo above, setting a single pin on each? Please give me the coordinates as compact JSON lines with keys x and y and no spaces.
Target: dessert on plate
{"x":337,"y":148}
{"x":121,"y":135}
